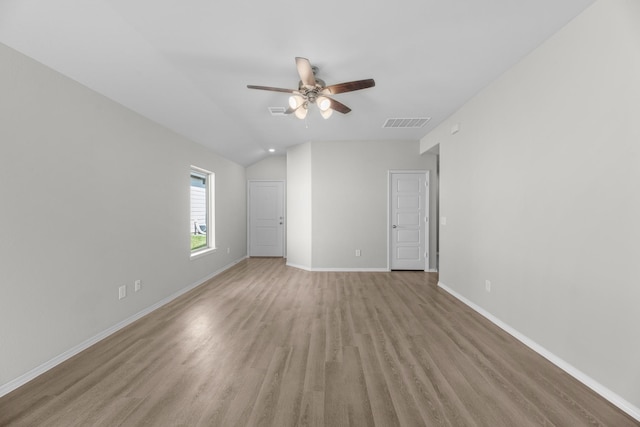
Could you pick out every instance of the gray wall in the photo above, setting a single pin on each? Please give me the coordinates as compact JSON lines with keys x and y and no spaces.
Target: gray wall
{"x":347,"y":182}
{"x":273,"y":168}
{"x":93,"y":196}
{"x":299,"y":206}
{"x":540,"y":192}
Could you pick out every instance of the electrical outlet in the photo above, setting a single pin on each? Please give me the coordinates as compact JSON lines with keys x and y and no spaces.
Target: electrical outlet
{"x":137,"y":285}
{"x":228,"y":250}
{"x":357,"y":252}
{"x":487,"y":285}
{"x":122,"y":292}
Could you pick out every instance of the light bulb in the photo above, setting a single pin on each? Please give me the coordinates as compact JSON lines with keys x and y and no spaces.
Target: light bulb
{"x":323,"y":103}
{"x":295,"y":101}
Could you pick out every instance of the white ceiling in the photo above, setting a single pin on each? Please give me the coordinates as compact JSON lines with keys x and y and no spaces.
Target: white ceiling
{"x":185,"y":64}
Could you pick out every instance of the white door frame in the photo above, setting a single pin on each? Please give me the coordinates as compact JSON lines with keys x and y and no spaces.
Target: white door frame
{"x":389,"y":215}
{"x":284,"y":213}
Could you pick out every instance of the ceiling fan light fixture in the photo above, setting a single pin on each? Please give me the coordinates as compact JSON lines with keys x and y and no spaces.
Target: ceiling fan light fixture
{"x":295,"y":101}
{"x":301,"y":111}
{"x":323,"y":103}
{"x":326,"y":113}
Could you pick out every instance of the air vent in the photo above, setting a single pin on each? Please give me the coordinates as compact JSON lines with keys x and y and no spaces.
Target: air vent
{"x":411,"y":123}
{"x":277,"y":111}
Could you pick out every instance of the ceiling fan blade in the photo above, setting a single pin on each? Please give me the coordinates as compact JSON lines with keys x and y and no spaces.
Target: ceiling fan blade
{"x":273,"y":89}
{"x":338,"y":106}
{"x":305,"y":71}
{"x":348,"y":86}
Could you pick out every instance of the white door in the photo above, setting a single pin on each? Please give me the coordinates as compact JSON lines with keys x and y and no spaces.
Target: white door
{"x":409,"y":209}
{"x":266,"y":218}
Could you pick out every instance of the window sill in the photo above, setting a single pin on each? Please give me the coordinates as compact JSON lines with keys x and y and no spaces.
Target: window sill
{"x":201,"y":253}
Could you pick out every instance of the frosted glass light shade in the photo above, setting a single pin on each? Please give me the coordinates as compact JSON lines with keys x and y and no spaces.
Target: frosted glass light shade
{"x":323,"y":103}
{"x":295,"y":101}
{"x":301,"y":112}
{"x":327,"y":113}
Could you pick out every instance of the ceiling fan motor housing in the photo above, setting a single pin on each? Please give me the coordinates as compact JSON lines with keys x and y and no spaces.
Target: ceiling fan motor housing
{"x":311,"y":92}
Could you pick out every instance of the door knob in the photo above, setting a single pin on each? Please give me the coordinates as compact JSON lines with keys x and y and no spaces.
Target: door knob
{"x":395,"y":226}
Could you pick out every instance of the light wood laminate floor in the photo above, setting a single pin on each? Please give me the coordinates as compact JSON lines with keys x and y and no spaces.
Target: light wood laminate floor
{"x":265,"y":344}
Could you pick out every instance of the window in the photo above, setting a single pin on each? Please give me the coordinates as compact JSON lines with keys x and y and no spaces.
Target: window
{"x":201,"y":218}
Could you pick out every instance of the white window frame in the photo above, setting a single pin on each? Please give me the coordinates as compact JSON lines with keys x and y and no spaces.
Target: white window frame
{"x":210,"y":210}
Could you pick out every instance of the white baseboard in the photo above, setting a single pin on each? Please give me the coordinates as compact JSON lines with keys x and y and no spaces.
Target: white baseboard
{"x":603,"y":391}
{"x":351,"y":269}
{"x":39,"y":370}
{"x":338,"y":269}
{"x":299,"y":267}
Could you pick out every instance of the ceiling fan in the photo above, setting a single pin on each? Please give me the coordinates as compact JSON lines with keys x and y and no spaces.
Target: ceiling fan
{"x":312,"y":90}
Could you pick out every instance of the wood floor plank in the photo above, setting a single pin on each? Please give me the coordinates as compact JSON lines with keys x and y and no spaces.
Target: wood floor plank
{"x":333,"y":319}
{"x":241,"y":405}
{"x":335,"y":396}
{"x":290,"y":398}
{"x":314,"y":374}
{"x":263,"y":344}
{"x":382,"y":409}
{"x":358,"y":404}
{"x":456,"y":411}
{"x":312,"y":409}
{"x":403,"y":401}
{"x":409,"y":370}
{"x":264,"y":408}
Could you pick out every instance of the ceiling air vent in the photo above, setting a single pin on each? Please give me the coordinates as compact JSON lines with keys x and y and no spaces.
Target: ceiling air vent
{"x":412,"y":123}
{"x":277,"y":111}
